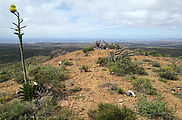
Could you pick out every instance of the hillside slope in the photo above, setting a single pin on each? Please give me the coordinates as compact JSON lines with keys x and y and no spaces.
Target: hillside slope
{"x":89,"y":85}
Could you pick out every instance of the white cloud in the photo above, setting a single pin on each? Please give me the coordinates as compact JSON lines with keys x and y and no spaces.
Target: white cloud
{"x":54,"y":17}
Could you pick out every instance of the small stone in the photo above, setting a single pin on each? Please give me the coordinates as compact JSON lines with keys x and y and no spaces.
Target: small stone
{"x":120,"y":100}
{"x":130,"y":93}
{"x":121,"y":104}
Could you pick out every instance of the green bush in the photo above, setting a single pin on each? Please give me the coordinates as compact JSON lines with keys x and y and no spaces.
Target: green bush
{"x":15,"y":110}
{"x":163,"y":80}
{"x":120,"y":90}
{"x":46,"y":75}
{"x":155,"y":64}
{"x":102,"y":61}
{"x":66,"y":62}
{"x":19,"y":77}
{"x":146,"y":60}
{"x":167,"y":73}
{"x":143,"y":85}
{"x":114,"y":46}
{"x":108,"y":111}
{"x":88,"y":48}
{"x":5,"y":76}
{"x":46,"y":107}
{"x":156,"y":109}
{"x":85,"y":68}
{"x":65,"y":114}
{"x":125,"y":66}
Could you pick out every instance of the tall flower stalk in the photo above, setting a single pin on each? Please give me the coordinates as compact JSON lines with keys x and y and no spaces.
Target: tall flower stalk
{"x":19,"y":34}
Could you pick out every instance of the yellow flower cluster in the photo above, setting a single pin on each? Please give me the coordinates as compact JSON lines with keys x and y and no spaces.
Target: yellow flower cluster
{"x":12,"y":8}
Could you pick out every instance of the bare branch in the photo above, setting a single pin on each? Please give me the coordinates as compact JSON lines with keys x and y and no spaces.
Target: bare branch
{"x":14,"y":29}
{"x":23,"y":27}
{"x":21,"y":20}
{"x":15,"y":33}
{"x":22,"y":34}
{"x":15,"y":24}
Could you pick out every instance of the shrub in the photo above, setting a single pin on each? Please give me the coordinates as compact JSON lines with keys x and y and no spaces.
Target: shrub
{"x":15,"y":110}
{"x":49,"y":78}
{"x":111,"y":112}
{"x":143,"y":85}
{"x":85,"y":68}
{"x":178,"y":94}
{"x":155,"y":64}
{"x":120,"y":90}
{"x":156,"y":109}
{"x":125,"y":66}
{"x":64,"y":114}
{"x":102,"y":61}
{"x":66,"y":62}
{"x":167,"y":73}
{"x":5,"y":75}
{"x":46,"y":107}
{"x":139,"y":52}
{"x":19,"y":77}
{"x":114,"y":46}
{"x":88,"y":48}
{"x":47,"y":75}
{"x":146,"y":60}
{"x":163,"y":80}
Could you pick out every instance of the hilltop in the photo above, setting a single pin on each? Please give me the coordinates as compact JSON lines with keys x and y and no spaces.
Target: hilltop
{"x":85,"y":90}
{"x":91,"y":94}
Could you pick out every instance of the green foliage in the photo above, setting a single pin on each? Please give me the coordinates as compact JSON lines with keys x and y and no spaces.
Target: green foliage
{"x":155,"y":64}
{"x":64,"y":114}
{"x":114,"y":46}
{"x":88,"y":48}
{"x":147,"y":53}
{"x":178,"y":94}
{"x":46,"y":75}
{"x":143,"y":85}
{"x":120,"y":90}
{"x":15,"y":110}
{"x":108,"y":111}
{"x":46,"y":107}
{"x":66,"y":62}
{"x":19,"y":77}
{"x":163,"y":80}
{"x":167,"y":73}
{"x":180,"y":57}
{"x":29,"y":91}
{"x":125,"y":66}
{"x":146,"y":60}
{"x":156,"y":109}
{"x":5,"y":76}
{"x":102,"y":61}
{"x":85,"y":68}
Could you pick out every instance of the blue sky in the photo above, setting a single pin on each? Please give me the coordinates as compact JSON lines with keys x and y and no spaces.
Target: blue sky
{"x":94,"y":19}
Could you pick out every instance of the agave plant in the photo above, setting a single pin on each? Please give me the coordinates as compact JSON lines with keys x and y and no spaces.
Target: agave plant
{"x":29,"y":91}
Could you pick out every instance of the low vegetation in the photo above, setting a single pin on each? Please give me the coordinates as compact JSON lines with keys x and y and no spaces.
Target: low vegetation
{"x":88,"y":48}
{"x":143,"y":85}
{"x":107,"y":111}
{"x":156,"y":109}
{"x":102,"y":61}
{"x":125,"y":66}
{"x":66,"y":62}
{"x":5,"y":75}
{"x":155,"y":64}
{"x":84,"y":68}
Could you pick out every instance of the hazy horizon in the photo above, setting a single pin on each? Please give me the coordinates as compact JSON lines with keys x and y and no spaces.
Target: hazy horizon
{"x":87,"y":20}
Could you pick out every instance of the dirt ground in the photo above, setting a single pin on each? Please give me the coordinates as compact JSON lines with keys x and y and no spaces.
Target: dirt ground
{"x":92,"y":94}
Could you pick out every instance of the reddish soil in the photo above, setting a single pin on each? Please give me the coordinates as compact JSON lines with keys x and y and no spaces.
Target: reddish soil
{"x":91,"y":94}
